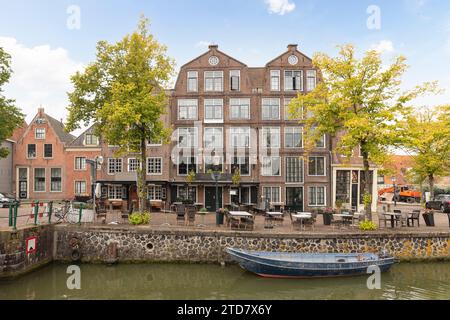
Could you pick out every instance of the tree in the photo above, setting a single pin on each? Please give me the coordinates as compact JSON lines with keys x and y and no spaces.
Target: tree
{"x":359,"y":101}
{"x":429,"y":144}
{"x":11,"y":117}
{"x":123,"y":93}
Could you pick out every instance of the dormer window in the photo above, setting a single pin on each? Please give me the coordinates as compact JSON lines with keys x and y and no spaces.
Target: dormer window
{"x":293,"y":80}
{"x":39,"y":133}
{"x":91,"y":140}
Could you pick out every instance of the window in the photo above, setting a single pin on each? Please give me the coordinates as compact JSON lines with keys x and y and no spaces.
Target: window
{"x":294,"y":169}
{"x":187,"y":109}
{"x":187,"y":137}
{"x":271,"y":109}
{"x":321,"y":142}
{"x":241,"y":163}
{"x":213,"y":80}
{"x":91,"y":140}
{"x":293,"y":80}
{"x":297,"y":115}
{"x":213,"y":110}
{"x":275,"y":80}
{"x":55,"y":180}
{"x":187,"y":193}
{"x":114,"y":166}
{"x":133,"y":164}
{"x":39,"y":180}
{"x":271,"y":166}
{"x":311,"y":80}
{"x":156,"y":193}
{"x":293,"y":137}
{"x":316,"y":196}
{"x":316,"y":166}
{"x":154,"y":166}
{"x":48,"y":150}
{"x":192,"y":81}
{"x":380,"y":179}
{"x":272,"y":193}
{"x":240,"y":137}
{"x":39,"y":133}
{"x":31,"y":151}
{"x":239,"y":109}
{"x":155,"y":143}
{"x":235,"y":80}
{"x":210,"y":163}
{"x":271,"y":137}
{"x":186,"y":165}
{"x":115,"y":192}
{"x":213,"y":138}
{"x":80,"y":163}
{"x":80,"y":187}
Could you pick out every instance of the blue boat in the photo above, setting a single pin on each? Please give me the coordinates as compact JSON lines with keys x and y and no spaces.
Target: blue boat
{"x":308,"y":265}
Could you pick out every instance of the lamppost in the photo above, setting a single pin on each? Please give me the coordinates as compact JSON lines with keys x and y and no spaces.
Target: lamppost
{"x":394,"y":180}
{"x":94,"y":166}
{"x":215,"y":175}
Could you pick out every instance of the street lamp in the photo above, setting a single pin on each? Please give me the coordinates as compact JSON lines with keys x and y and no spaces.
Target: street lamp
{"x":94,"y":166}
{"x":215,"y":175}
{"x":394,"y":180}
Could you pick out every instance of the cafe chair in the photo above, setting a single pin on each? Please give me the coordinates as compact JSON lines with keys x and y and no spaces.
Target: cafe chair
{"x":415,"y":216}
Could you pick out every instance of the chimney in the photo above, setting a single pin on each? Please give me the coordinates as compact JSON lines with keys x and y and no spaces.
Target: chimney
{"x":213,"y":47}
{"x":41,"y":111}
{"x":292,"y":47}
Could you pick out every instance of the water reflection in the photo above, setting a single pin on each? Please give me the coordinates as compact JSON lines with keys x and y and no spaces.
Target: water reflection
{"x":405,"y":281}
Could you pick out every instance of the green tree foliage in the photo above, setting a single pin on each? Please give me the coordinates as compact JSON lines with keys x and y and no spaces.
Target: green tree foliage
{"x":11,"y":117}
{"x":359,"y":101}
{"x":429,"y":144}
{"x":123,"y":93}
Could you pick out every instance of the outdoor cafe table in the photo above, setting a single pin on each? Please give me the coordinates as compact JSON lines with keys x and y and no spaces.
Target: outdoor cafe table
{"x":393,"y":216}
{"x":302,"y":216}
{"x":347,"y":218}
{"x":240,"y":214}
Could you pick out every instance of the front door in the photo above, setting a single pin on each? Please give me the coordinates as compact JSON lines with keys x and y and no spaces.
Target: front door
{"x":210,"y":198}
{"x":294,"y":199}
{"x":23,"y":183}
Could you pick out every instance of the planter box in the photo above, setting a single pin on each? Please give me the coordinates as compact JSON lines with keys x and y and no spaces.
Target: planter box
{"x":429,"y":219}
{"x":327,"y":217}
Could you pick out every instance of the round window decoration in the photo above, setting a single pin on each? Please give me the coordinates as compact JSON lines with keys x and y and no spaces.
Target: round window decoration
{"x":293,"y":60}
{"x":214,"y":61}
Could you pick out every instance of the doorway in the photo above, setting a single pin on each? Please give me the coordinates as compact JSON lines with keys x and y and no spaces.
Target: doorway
{"x":294,"y":199}
{"x":210,"y":198}
{"x":23,"y":183}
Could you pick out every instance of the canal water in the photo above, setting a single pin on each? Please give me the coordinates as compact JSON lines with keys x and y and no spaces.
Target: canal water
{"x":155,"y":281}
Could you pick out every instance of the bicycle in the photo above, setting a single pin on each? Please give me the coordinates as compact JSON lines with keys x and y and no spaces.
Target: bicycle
{"x":66,"y":213}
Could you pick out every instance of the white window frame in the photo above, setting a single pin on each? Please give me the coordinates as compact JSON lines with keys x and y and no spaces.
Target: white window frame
{"x":239,"y":132}
{"x":239,"y":103}
{"x":218,"y":142}
{"x":161,"y":166}
{"x":138,"y":163}
{"x":275,"y":74}
{"x":36,"y":133}
{"x":115,"y":171}
{"x":188,"y":164}
{"x":196,"y":191}
{"x":189,"y":136}
{"x":34,"y":181}
{"x":324,"y":139}
{"x":265,"y":169}
{"x":269,"y":102}
{"x":324,"y":196}
{"x":61,"y":182}
{"x":154,"y":190}
{"x":291,"y":130}
{"x":189,"y":105}
{"x":324,"y":166}
{"x":214,"y":103}
{"x":214,"y":75}
{"x":35,"y":151}
{"x":308,"y":77}
{"x":271,"y":193}
{"x":286,"y":102}
{"x":192,"y":75}
{"x":75,"y":187}
{"x":287,"y":82}
{"x":83,"y":167}
{"x":211,"y":160}
{"x":235,"y":73}
{"x":240,"y":163}
{"x":302,"y":160}
{"x":115,"y":187}
{"x":43,"y":150}
{"x":275,"y":133}
{"x":93,"y":137}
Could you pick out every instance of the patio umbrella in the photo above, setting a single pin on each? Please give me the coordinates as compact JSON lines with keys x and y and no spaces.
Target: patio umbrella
{"x":98,"y":190}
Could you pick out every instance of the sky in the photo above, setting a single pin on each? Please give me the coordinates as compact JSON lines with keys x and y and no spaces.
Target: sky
{"x":49,"y":40}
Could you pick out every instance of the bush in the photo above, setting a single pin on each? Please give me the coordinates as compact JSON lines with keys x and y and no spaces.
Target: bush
{"x":367,"y":226}
{"x":138,"y":219}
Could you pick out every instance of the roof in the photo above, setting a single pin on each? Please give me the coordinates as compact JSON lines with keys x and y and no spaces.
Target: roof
{"x":79,"y":141}
{"x":59,"y":129}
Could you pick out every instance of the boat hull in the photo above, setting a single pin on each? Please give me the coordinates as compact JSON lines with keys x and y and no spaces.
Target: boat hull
{"x":268,"y":267}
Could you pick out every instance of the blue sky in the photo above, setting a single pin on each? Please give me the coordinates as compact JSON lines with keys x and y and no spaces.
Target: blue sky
{"x":45,"y":51}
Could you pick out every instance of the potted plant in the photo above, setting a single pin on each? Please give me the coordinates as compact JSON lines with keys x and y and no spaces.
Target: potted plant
{"x":339,"y":203}
{"x":428,"y":216}
{"x":220,"y":213}
{"x":327,"y":216}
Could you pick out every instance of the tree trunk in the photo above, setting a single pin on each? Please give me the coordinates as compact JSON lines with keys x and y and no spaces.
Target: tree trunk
{"x":368,"y":207}
{"x":431,"y":182}
{"x":141,"y":179}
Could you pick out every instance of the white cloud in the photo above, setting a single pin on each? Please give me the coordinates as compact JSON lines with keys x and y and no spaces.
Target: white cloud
{"x":41,"y":76}
{"x":280,"y":7}
{"x":384,"y":46}
{"x":203,"y":44}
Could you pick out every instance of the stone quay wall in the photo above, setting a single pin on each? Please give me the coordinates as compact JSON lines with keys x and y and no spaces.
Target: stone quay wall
{"x":14,"y":259}
{"x":115,"y":244}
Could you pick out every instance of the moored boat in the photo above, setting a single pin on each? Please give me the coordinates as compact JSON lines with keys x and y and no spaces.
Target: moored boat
{"x":307,"y":265}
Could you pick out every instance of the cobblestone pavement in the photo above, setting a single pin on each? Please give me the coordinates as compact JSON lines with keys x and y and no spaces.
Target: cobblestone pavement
{"x":158,"y":220}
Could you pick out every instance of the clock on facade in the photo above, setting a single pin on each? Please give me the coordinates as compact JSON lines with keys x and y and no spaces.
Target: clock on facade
{"x":213,"y":60}
{"x":293,"y":60}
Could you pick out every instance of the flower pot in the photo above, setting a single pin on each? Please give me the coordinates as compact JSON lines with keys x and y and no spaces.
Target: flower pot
{"x":429,"y":219}
{"x":327,"y":217}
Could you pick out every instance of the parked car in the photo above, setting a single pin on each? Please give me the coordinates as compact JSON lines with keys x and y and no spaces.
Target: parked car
{"x":440,"y":202}
{"x":5,"y":199}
